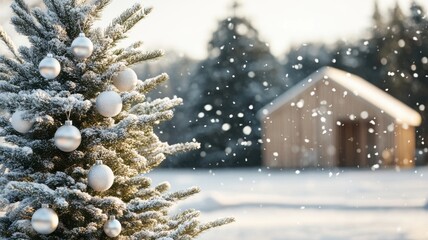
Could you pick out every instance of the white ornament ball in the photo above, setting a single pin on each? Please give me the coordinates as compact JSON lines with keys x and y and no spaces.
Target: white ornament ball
{"x":19,"y":124}
{"x":82,"y":47}
{"x":125,"y":80}
{"x":44,"y":220}
{"x":100,"y":177}
{"x":112,"y":227}
{"x":67,"y":137}
{"x":49,"y":67}
{"x":109,"y":103}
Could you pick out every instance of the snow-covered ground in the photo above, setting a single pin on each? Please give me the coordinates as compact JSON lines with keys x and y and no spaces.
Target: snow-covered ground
{"x":324,"y":205}
{"x":340,"y":204}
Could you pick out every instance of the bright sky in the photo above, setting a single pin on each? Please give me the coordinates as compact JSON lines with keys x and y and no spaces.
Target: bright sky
{"x":186,"y":25}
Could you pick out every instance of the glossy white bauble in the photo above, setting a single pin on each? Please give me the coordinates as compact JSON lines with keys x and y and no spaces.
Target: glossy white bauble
{"x":19,"y":124}
{"x":44,"y":220}
{"x":112,"y":227}
{"x":100,"y":177}
{"x":67,"y":137}
{"x":109,"y":103}
{"x":49,"y":67}
{"x":125,"y":80}
{"x":82,"y":47}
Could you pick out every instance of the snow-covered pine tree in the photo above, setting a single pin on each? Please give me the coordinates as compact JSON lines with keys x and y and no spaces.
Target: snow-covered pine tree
{"x":301,"y":61}
{"x":239,"y":77}
{"x":35,"y":172}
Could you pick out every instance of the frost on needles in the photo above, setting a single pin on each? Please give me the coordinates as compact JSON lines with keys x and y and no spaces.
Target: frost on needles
{"x":35,"y":172}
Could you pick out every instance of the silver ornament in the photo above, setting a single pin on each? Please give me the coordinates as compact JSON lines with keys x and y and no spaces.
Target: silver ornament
{"x":19,"y":124}
{"x":82,"y":47}
{"x":125,"y":80}
{"x":44,"y":220}
{"x":49,"y":67}
{"x":67,"y":137}
{"x":100,"y":177}
{"x":112,"y":227}
{"x":109,"y":103}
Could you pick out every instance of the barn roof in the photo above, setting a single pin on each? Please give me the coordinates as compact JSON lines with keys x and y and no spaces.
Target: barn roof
{"x":360,"y":87}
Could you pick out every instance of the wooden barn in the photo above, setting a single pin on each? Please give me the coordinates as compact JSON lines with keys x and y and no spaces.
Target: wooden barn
{"x":333,"y":118}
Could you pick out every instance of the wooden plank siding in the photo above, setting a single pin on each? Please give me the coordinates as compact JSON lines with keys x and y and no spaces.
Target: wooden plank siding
{"x":405,"y":145}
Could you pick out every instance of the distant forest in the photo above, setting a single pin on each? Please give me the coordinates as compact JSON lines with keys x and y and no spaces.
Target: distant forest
{"x":223,"y":92}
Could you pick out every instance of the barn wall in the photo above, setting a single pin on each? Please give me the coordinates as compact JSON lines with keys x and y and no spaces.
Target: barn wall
{"x":303,"y":132}
{"x":405,"y":146}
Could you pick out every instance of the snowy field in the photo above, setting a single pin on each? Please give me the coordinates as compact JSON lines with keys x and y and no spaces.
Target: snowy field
{"x":340,"y":204}
{"x":316,"y":205}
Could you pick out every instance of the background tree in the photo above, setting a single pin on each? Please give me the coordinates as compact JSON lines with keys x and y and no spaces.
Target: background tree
{"x":34,"y":171}
{"x":239,"y":76}
{"x":303,"y":60}
{"x":394,"y":57}
{"x":360,"y":57}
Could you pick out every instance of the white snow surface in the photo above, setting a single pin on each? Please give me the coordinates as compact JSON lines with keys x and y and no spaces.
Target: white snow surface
{"x":310,"y":204}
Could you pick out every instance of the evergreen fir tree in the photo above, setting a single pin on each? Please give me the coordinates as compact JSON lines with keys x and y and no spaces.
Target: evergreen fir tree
{"x":395,"y":59}
{"x":402,"y":55}
{"x":35,"y":172}
{"x":418,"y":69}
{"x":301,"y":61}
{"x":417,"y":13}
{"x":363,"y":57}
{"x":393,"y":53}
{"x":238,"y":78}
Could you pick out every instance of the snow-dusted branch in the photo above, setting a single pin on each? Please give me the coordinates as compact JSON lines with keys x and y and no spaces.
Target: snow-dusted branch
{"x":151,"y":83}
{"x":8,"y":42}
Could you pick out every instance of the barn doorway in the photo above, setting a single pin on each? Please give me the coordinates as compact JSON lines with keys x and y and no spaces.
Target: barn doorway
{"x":355,"y":143}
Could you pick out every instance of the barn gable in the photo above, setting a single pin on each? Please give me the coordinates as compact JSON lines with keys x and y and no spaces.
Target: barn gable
{"x":354,"y":84}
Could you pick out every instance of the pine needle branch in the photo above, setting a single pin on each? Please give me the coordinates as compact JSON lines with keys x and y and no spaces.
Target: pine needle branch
{"x":44,"y":21}
{"x":24,"y":21}
{"x":23,"y":6}
{"x":134,"y":19}
{"x":138,"y":58}
{"x":181,"y":147}
{"x":216,"y":223}
{"x":6,"y":39}
{"x":11,"y":64}
{"x":127,"y":14}
{"x":152,"y":83}
{"x":99,"y":7}
{"x":180,"y":195}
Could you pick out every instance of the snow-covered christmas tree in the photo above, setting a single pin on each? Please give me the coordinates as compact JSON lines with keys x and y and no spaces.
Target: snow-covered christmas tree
{"x":79,"y":134}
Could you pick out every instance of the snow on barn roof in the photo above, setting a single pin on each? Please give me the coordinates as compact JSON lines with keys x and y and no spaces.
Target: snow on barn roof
{"x":357,"y":85}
